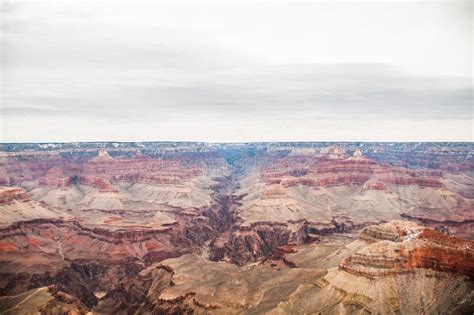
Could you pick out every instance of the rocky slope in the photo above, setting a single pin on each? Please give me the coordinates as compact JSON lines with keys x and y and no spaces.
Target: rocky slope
{"x":368,"y":275}
{"x":403,"y":269}
{"x":16,"y":205}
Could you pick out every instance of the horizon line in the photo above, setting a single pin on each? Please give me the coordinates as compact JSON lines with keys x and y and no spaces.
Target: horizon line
{"x":238,"y":142}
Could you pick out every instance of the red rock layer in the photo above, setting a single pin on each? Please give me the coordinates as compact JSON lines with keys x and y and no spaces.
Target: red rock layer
{"x":101,"y":183}
{"x":328,"y":181}
{"x":397,"y":250}
{"x":81,"y":242}
{"x":8,"y":195}
{"x":323,"y":172}
{"x":404,"y":181}
{"x":376,"y":186}
{"x":102,"y":170}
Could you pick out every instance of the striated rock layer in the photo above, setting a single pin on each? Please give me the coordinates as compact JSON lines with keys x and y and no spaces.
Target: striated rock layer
{"x":399,"y":247}
{"x":154,"y":228}
{"x":373,"y":276}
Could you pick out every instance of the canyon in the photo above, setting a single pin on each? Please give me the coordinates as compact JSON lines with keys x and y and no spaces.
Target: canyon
{"x":230,"y":228}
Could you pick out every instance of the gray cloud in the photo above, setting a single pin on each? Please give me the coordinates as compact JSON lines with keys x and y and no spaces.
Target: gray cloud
{"x":183,"y":68}
{"x":261,"y":93}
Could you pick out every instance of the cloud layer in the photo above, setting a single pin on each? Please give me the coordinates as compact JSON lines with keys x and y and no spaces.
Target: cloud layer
{"x":85,"y":71}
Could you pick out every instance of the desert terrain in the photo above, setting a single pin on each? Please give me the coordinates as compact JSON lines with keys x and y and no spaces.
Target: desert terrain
{"x":237,"y":228}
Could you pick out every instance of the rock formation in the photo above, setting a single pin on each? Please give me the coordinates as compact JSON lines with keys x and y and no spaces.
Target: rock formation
{"x":152,"y":228}
{"x":397,"y":267}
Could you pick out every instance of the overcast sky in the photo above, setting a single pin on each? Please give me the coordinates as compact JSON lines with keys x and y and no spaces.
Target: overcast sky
{"x":129,"y":71}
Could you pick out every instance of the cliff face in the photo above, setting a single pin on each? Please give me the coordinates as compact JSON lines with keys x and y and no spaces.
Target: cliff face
{"x":9,"y":195}
{"x":394,"y":268}
{"x":254,"y":242}
{"x":62,"y":240}
{"x":399,"y":247}
{"x":440,"y":252}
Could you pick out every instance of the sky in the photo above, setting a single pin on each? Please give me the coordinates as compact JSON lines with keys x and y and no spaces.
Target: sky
{"x":231,"y":72}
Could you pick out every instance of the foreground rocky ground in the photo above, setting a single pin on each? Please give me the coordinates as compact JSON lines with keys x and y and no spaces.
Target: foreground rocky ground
{"x":256,"y":228}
